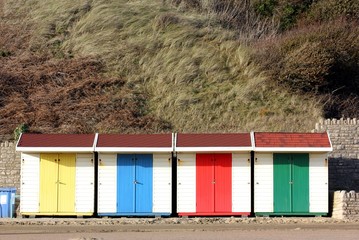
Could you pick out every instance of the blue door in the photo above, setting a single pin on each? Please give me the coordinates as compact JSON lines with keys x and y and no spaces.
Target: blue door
{"x":134,"y":186}
{"x":125,"y":183}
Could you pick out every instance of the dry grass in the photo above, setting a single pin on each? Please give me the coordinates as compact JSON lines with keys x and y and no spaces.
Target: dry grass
{"x":322,"y":59}
{"x":192,"y":73}
{"x":63,"y":95}
{"x":68,"y":96}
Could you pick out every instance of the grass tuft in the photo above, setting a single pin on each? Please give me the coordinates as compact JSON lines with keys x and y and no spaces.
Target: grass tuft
{"x":189,"y":70}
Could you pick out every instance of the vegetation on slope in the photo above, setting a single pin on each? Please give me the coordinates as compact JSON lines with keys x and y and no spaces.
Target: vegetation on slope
{"x":63,"y":95}
{"x":189,"y":66}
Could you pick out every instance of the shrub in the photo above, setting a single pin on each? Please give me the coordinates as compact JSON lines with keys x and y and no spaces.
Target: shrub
{"x":265,"y":8}
{"x":22,"y":128}
{"x":4,"y":53}
{"x":323,"y":59}
{"x":327,"y":10}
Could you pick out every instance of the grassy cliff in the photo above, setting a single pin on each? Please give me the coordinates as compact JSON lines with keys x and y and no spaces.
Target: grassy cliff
{"x":169,"y":65}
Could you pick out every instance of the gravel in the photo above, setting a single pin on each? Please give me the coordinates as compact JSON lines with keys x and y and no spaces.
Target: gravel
{"x":171,"y":221}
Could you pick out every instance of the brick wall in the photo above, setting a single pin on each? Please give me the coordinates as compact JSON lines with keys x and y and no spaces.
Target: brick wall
{"x":9,"y":166}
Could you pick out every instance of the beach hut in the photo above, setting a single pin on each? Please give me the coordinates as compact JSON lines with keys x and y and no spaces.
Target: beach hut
{"x":213,"y":174}
{"x":57,"y":174}
{"x":291,"y":173}
{"x":134,"y":174}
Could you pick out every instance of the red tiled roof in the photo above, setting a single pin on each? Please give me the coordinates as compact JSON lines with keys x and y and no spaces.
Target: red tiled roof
{"x":214,"y":140}
{"x":56,"y":140}
{"x":291,"y":140}
{"x":134,"y":140}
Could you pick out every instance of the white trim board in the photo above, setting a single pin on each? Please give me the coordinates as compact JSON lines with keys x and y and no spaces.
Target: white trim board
{"x":132,"y":149}
{"x":293,"y":149}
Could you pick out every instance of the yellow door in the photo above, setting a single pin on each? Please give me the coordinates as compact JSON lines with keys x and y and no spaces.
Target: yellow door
{"x":66,"y":185}
{"x":48,"y":182}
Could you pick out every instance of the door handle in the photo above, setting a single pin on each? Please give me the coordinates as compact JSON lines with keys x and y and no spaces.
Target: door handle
{"x":135,"y":182}
{"x":290,"y":182}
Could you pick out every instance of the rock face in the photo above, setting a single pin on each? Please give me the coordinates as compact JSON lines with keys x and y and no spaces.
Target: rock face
{"x":346,"y":205}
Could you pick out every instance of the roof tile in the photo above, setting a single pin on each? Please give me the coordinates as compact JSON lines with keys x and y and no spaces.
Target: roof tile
{"x":56,"y":140}
{"x":134,"y":140}
{"x":214,"y":140}
{"x":263,"y":139}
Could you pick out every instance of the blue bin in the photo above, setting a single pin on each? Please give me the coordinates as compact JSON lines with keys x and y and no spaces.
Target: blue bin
{"x":7,"y":202}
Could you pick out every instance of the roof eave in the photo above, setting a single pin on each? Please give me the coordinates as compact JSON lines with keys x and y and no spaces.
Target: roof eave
{"x":213,"y":149}
{"x":293,"y":149}
{"x":55,"y":149}
{"x":133,"y":149}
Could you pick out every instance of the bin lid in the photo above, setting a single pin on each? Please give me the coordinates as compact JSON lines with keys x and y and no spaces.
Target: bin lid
{"x":8,"y":189}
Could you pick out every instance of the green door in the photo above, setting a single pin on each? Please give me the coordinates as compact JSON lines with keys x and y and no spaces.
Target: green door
{"x":291,"y":182}
{"x":300,"y":183}
{"x":282,"y":187}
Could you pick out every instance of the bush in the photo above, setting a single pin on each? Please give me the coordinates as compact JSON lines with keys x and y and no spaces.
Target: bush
{"x":265,"y":8}
{"x":22,"y":128}
{"x":323,"y":60}
{"x":327,"y":10}
{"x":306,"y":67}
{"x":4,"y":53}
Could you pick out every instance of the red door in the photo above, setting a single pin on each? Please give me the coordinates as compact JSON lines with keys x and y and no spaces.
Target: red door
{"x":204,"y":183}
{"x":223,"y":186}
{"x":214,"y":183}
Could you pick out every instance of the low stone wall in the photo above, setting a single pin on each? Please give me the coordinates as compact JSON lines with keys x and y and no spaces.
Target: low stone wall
{"x":345,"y":205}
{"x":344,"y":160}
{"x":9,"y":166}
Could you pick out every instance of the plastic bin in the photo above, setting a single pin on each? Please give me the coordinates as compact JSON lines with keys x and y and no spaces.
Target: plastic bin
{"x":7,"y":202}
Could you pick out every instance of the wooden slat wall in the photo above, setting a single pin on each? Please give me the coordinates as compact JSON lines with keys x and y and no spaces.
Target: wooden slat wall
{"x":30,"y":183}
{"x":162,"y":183}
{"x":107,"y":188}
{"x":186,"y":182}
{"x":241,"y":182}
{"x":85,"y":183}
{"x":263,"y":182}
{"x":318,"y":183}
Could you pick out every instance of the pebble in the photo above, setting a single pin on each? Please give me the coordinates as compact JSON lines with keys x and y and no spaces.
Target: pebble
{"x":174,"y":221}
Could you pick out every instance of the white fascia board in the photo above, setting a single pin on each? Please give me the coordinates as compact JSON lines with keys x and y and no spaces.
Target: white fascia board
{"x":174,"y":141}
{"x":132,"y":149}
{"x":55,"y":149}
{"x":17,"y":143}
{"x":330,"y":141}
{"x":293,"y":149}
{"x":213,"y":149}
{"x":253,"y":140}
{"x":95,"y":142}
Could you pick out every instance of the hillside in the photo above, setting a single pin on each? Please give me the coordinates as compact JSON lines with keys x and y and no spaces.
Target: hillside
{"x":189,"y":66}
